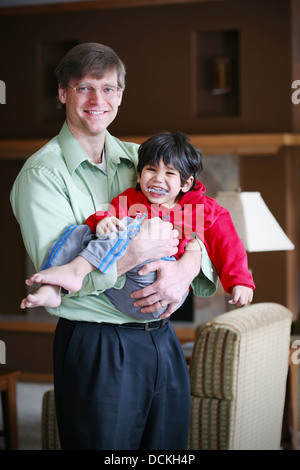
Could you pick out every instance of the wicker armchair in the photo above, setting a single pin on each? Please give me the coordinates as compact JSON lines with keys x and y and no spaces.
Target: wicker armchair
{"x":238,"y":379}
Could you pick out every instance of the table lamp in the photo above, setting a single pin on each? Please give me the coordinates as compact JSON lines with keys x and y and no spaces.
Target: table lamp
{"x":254,"y":222}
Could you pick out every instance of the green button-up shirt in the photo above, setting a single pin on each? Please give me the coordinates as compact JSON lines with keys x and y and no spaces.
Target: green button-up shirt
{"x":60,"y":185}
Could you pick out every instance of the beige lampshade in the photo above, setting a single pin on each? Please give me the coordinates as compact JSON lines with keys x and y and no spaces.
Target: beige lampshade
{"x":254,"y":222}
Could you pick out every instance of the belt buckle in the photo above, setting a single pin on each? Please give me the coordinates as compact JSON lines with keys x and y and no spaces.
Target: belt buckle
{"x":148,"y":327}
{"x":159,"y":323}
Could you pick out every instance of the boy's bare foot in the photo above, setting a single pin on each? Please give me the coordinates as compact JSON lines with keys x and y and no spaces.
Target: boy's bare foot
{"x":69,"y":276}
{"x":45,"y":296}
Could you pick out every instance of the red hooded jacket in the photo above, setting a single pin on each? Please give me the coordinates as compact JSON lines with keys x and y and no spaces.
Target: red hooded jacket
{"x":194,"y":213}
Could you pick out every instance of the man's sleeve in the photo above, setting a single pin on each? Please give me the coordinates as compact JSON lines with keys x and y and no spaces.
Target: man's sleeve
{"x":206,"y":283}
{"x":42,"y":208}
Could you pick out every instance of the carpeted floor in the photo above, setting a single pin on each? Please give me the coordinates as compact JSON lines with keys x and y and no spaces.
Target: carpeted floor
{"x":29,"y":408}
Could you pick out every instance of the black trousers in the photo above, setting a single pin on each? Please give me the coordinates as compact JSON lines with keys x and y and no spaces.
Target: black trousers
{"x":120,"y":388}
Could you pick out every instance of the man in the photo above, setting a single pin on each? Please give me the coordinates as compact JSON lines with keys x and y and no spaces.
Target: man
{"x":118,"y":384}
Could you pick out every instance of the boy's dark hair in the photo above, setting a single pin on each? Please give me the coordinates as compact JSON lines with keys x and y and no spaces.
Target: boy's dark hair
{"x":173,"y":149}
{"x":89,"y":59}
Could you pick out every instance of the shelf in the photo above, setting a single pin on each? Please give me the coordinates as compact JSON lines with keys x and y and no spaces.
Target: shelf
{"x":229,"y":144}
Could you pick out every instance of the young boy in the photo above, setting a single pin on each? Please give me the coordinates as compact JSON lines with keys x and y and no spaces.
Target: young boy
{"x":167,"y":188}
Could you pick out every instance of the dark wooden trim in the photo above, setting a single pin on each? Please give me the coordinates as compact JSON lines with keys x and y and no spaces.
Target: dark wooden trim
{"x":36,"y":377}
{"x":27,"y":326}
{"x":90,"y":6}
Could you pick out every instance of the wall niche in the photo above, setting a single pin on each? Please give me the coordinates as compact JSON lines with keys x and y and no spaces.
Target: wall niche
{"x":217,"y":82}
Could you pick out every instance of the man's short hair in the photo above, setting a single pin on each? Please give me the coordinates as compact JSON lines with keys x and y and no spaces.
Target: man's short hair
{"x":89,"y":59}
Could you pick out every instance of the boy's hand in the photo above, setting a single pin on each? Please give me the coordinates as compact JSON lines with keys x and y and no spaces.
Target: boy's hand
{"x":109,"y":224}
{"x":241,"y":295}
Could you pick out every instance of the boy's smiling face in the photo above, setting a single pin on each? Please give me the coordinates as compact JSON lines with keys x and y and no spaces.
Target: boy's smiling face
{"x":161,"y":184}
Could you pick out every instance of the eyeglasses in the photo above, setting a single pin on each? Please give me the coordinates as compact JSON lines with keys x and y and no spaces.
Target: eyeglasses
{"x":108,"y":91}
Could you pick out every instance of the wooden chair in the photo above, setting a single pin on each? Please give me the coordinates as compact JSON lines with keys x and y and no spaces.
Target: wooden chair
{"x":8,"y":382}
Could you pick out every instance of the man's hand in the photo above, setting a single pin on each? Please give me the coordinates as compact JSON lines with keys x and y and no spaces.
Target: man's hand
{"x":155,"y":240}
{"x":173,"y":281}
{"x":241,"y":295}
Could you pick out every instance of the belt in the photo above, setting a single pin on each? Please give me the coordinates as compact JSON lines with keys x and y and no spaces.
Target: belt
{"x":148,"y":326}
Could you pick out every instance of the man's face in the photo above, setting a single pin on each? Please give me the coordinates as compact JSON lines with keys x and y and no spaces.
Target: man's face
{"x":91,"y":115}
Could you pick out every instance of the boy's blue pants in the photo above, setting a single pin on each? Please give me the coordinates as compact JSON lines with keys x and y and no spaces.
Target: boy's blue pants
{"x":102,"y":253}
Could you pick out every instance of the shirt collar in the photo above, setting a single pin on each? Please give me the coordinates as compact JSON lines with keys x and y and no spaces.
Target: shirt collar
{"x":115,"y":150}
{"x":75,"y":155}
{"x":73,"y":152}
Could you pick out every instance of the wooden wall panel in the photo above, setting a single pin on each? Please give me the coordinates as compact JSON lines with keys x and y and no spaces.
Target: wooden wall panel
{"x":156,"y":44}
